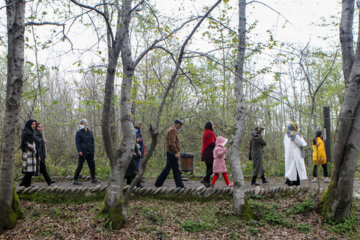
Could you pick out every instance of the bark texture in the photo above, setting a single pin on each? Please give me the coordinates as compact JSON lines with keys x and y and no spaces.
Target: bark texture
{"x":234,"y":154}
{"x":120,"y":159}
{"x":10,"y":209}
{"x":336,"y":202}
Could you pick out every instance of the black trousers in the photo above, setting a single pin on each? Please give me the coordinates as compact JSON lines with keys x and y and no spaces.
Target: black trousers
{"x":171,"y":163}
{"x":89,"y":157}
{"x":209,"y":171}
{"x":44,"y":172}
{"x":26,"y":181}
{"x":324,"y":166}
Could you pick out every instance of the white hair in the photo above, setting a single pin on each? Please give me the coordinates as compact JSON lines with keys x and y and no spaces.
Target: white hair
{"x":83,"y":121}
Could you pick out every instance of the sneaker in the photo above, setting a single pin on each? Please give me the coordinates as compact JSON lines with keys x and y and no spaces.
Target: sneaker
{"x":231,"y":184}
{"x":76,"y":182}
{"x":315,"y":180}
{"x":95,"y":180}
{"x":326,"y":180}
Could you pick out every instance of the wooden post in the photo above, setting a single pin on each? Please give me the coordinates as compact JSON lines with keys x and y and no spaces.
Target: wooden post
{"x":327,"y":134}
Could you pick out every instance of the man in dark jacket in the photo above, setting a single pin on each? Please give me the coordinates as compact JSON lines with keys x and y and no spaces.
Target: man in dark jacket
{"x":84,"y":140}
{"x":172,"y":153}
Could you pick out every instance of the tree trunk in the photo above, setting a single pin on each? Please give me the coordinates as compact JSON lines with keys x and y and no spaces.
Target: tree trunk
{"x":10,"y":209}
{"x":114,"y":199}
{"x":336,"y":202}
{"x":240,"y":205}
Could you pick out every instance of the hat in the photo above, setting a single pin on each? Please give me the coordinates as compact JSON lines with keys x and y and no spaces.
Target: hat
{"x":83,"y":121}
{"x":178,"y":121}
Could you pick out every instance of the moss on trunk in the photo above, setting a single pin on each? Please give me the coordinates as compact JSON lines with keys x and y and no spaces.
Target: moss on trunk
{"x":325,"y":205}
{"x":14,"y":213}
{"x":115,"y":214}
{"x":246,"y":212}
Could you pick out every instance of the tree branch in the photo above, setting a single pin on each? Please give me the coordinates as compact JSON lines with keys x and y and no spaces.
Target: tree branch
{"x":99,"y":12}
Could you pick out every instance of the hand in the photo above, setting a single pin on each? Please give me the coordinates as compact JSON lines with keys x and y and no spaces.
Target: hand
{"x":138,"y":139}
{"x":177,"y":155}
{"x":80,"y":154}
{"x":45,"y":141}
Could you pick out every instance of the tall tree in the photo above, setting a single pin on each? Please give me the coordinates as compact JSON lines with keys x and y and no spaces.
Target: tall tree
{"x":10,"y":209}
{"x":234,"y":154}
{"x":336,"y":202}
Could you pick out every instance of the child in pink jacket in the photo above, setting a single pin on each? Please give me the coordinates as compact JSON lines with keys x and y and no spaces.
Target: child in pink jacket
{"x":219,"y":161}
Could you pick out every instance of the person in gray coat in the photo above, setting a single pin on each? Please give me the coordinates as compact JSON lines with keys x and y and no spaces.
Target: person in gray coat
{"x":256,"y":154}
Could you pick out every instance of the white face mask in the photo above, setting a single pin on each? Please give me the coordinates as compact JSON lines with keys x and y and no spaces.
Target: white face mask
{"x":81,"y":127}
{"x":263,"y":132}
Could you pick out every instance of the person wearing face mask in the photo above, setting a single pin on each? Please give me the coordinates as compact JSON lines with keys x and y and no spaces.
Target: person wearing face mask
{"x":28,"y":148}
{"x":84,"y":140}
{"x":173,"y":146}
{"x":294,"y":145}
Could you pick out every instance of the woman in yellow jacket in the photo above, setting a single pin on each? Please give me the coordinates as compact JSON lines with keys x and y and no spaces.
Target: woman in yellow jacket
{"x":319,"y":156}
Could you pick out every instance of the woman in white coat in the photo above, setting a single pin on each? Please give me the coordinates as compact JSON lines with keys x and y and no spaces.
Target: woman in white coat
{"x":294,"y":156}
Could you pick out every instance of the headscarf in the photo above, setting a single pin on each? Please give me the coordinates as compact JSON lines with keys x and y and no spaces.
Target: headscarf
{"x":209,"y":126}
{"x":27,"y":135}
{"x":292,"y":132}
{"x":137,"y":124}
{"x":257,"y":131}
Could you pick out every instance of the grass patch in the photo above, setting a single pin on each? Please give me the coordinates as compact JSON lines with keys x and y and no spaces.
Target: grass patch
{"x":193,"y":226}
{"x":304,"y":228}
{"x":303,"y":207}
{"x":346,"y":227}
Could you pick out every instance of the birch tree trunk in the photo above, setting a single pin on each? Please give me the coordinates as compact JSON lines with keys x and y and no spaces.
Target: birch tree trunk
{"x":337,"y":200}
{"x":114,"y":199}
{"x":240,"y":206}
{"x":10,"y":209}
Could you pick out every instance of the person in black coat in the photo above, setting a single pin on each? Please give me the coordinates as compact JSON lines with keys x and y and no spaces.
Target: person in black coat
{"x":140,"y":142}
{"x":28,"y":148}
{"x":84,"y":140}
{"x":41,"y":153}
{"x":256,"y":153}
{"x":132,"y":169}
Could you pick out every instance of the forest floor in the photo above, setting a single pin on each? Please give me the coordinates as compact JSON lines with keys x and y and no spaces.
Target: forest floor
{"x":282,"y":217}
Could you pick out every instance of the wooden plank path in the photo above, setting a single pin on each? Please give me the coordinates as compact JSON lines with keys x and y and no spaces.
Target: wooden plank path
{"x":64,"y":186}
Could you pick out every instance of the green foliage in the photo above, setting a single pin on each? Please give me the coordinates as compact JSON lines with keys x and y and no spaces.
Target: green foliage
{"x":253,"y":231}
{"x":193,"y":226}
{"x":345,"y":227}
{"x":56,"y":198}
{"x":277,"y":218}
{"x":303,"y":207}
{"x":304,"y":228}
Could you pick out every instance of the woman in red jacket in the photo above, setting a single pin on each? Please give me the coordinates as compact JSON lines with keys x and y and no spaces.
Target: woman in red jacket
{"x":208,"y":145}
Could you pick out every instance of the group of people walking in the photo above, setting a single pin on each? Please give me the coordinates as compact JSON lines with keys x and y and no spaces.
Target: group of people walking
{"x":33,"y":147}
{"x":213,"y":153}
